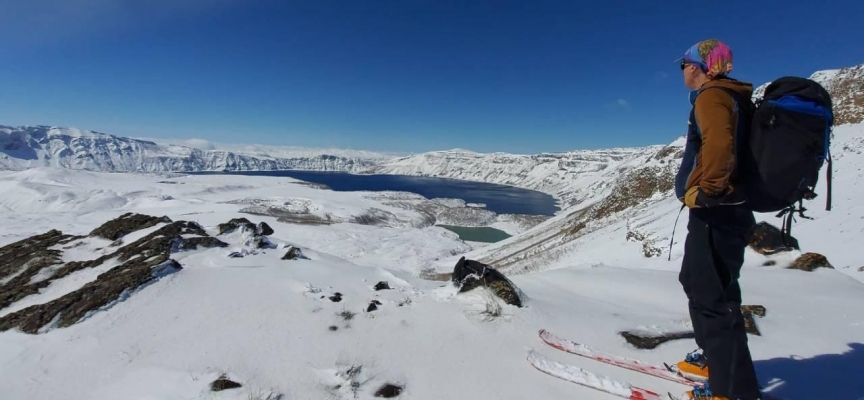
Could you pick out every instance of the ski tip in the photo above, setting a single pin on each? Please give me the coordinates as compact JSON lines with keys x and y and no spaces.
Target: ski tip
{"x":673,"y":397}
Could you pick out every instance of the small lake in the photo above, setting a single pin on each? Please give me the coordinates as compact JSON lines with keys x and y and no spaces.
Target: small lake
{"x":498,"y":198}
{"x":482,"y":234}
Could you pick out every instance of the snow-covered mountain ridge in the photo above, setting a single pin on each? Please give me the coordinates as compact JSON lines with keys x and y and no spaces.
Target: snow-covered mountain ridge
{"x":87,"y":315}
{"x":564,"y":175}
{"x":846,"y":87}
{"x":574,"y":177}
{"x":305,"y":329}
{"x":46,"y":146}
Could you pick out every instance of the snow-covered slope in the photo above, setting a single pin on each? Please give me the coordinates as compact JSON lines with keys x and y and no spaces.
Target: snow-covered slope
{"x":270,"y":324}
{"x":271,"y":151}
{"x":846,"y":86}
{"x":619,"y":231}
{"x":575,"y":176}
{"x":634,"y":200}
{"x":44,"y":146}
{"x":571,"y":177}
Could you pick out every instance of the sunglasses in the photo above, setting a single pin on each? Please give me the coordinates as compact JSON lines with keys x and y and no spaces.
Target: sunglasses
{"x":684,"y":65}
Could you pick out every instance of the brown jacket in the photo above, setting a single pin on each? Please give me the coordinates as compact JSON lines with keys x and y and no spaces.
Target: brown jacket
{"x":717,"y":120}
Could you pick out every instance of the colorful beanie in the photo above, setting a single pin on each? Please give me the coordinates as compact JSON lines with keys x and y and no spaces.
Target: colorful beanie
{"x":712,"y":55}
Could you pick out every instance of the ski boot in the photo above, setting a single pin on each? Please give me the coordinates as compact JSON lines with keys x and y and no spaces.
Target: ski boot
{"x":699,"y":392}
{"x":694,"y":367}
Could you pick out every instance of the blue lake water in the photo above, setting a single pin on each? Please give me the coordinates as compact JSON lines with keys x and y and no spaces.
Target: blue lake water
{"x":483,"y":234}
{"x":498,"y":198}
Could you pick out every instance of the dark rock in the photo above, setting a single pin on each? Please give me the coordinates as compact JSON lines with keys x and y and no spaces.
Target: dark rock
{"x":16,"y":255}
{"x":749,"y":322}
{"x":264,"y":229}
{"x":470,"y":274}
{"x":767,"y":239}
{"x":373,"y":305}
{"x":333,"y":328}
{"x":647,"y":342}
{"x":293,"y":253}
{"x":199,"y":242}
{"x":26,"y":258}
{"x":336,"y":297}
{"x":389,"y":390}
{"x":383,"y":285}
{"x":143,"y":262}
{"x":235,"y":224}
{"x":861,"y":269}
{"x":347,"y":315}
{"x":650,"y":251}
{"x":633,"y":188}
{"x":576,"y":228}
{"x":755,"y":310}
{"x":634,"y":236}
{"x":223,"y":383}
{"x":236,"y":254}
{"x":675,"y":151}
{"x":126,"y":224}
{"x":750,"y":325}
{"x":810,"y":261}
{"x":258,"y":239}
{"x":260,"y":242}
{"x":769,"y":263}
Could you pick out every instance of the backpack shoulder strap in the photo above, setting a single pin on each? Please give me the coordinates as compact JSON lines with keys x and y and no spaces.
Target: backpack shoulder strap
{"x":743,"y":102}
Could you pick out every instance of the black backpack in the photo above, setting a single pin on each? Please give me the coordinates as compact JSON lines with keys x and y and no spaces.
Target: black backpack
{"x":780,"y":156}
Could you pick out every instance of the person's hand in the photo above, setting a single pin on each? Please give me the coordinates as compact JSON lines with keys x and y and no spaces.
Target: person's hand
{"x":696,"y":198}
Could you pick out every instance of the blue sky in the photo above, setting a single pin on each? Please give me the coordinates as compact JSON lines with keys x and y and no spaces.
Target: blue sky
{"x":397,"y":75}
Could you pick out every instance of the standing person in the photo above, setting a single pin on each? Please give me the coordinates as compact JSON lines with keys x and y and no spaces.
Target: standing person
{"x":719,"y":225}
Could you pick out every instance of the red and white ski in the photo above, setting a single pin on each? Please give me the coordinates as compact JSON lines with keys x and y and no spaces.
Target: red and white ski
{"x":589,"y":379}
{"x":618,"y":361}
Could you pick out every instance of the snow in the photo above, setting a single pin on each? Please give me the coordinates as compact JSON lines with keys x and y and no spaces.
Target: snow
{"x":569,"y":177}
{"x":46,"y":146}
{"x":579,"y":375}
{"x":831,"y":233}
{"x":73,"y":132}
{"x":259,"y":320}
{"x":272,"y":151}
{"x":59,"y":287}
{"x":270,"y":324}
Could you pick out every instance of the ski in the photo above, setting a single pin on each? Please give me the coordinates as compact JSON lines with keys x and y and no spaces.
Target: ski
{"x":663,"y":372}
{"x":589,"y":379}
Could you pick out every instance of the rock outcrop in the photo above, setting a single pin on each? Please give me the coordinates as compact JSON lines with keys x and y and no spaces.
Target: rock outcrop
{"x":811,"y":261}
{"x":126,"y":224}
{"x":293,"y":253}
{"x":470,"y":274}
{"x":767,"y":239}
{"x":256,"y":235}
{"x":140,"y":263}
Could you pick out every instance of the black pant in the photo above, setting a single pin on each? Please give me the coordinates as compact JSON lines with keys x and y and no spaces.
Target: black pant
{"x":713,"y":255}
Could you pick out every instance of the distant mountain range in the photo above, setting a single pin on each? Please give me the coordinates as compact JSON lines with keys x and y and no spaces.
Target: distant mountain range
{"x":573,"y":177}
{"x":48,"y":146}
